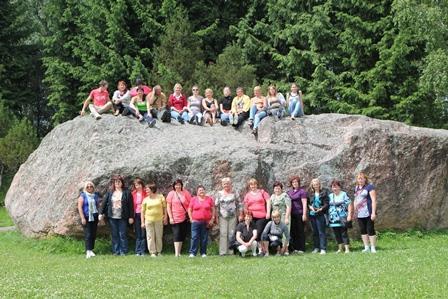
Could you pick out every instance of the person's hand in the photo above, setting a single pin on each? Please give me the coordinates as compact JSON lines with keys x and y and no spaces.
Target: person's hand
{"x":240,"y":218}
{"x":286,"y":221}
{"x":373,"y":216}
{"x":171,"y":221}
{"x":304,"y":218}
{"x":165,"y":221}
{"x":268,"y":216}
{"x":100,"y":217}
{"x":83,"y":221}
{"x":349,"y":218}
{"x":82,"y":112}
{"x":131,"y":221}
{"x":143,"y":225}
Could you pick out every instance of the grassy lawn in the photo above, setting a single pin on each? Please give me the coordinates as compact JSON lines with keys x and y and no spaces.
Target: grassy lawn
{"x":5,"y":220}
{"x":407,"y":265}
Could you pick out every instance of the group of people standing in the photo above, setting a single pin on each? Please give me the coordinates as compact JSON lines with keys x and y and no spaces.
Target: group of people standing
{"x":259,"y":223}
{"x":148,"y":104}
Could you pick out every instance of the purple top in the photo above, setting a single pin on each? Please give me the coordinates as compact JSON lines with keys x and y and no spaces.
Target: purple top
{"x":296,"y":200}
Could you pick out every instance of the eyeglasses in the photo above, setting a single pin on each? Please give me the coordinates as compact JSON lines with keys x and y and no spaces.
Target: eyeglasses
{"x":90,"y":186}
{"x":195,"y":89}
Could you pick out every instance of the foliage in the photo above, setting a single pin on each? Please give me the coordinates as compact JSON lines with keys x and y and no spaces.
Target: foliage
{"x":18,"y":144}
{"x":401,"y":268}
{"x":87,"y":41}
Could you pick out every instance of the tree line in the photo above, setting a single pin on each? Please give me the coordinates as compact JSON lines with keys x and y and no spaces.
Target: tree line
{"x":382,"y":58}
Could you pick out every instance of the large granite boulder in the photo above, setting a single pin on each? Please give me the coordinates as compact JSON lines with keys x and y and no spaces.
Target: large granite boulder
{"x":408,"y":165}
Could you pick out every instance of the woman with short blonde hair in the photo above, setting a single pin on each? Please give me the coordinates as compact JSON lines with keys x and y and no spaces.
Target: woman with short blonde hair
{"x":88,"y":206}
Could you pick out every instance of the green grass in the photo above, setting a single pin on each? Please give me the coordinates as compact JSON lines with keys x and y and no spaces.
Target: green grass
{"x":412,"y":264}
{"x":5,"y":220}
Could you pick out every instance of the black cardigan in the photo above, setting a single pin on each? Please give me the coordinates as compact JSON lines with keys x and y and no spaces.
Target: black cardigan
{"x":127,"y":205}
{"x":323,"y":195}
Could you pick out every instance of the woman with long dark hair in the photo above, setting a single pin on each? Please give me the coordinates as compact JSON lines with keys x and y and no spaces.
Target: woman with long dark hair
{"x":118,"y":207}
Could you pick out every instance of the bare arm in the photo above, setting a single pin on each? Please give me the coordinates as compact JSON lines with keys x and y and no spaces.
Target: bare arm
{"x":305,"y":209}
{"x":85,"y":104}
{"x":373,"y":197}
{"x":170,"y":215}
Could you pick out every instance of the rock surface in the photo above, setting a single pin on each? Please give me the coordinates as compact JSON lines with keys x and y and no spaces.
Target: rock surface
{"x":408,"y":165}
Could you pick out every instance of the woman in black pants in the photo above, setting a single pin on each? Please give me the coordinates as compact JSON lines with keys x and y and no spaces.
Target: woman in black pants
{"x":299,"y":211}
{"x":88,"y":206}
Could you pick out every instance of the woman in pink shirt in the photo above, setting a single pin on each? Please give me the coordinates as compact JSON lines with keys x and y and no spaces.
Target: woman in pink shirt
{"x":138,"y":194}
{"x":257,"y":202}
{"x":202,"y":214}
{"x":177,"y":202}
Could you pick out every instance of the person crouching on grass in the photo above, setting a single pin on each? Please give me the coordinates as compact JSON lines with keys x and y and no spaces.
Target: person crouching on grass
{"x":273,"y":233}
{"x":246,"y":236}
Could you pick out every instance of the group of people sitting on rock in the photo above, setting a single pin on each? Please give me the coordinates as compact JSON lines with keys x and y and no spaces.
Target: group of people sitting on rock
{"x":256,"y":223}
{"x":148,"y":104}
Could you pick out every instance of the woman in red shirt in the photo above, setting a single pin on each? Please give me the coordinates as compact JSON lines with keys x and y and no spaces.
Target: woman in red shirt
{"x":178,"y":105}
{"x":202,"y":214}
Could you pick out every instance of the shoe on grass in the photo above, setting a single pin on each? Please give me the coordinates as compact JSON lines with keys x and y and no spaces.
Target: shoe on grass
{"x":323,"y":252}
{"x":316,"y":250}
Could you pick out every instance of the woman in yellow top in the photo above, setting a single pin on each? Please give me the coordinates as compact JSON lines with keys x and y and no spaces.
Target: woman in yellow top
{"x":240,"y":107}
{"x":153,"y":218}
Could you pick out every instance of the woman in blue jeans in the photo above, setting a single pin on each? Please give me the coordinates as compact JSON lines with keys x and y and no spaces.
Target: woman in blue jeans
{"x":295,"y":102}
{"x":318,"y":205}
{"x":118,"y":207}
{"x":201,"y":211}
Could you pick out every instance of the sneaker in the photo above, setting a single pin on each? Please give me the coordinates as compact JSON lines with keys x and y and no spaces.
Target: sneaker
{"x":152,"y":123}
{"x":204,"y":255}
{"x":255,"y":132}
{"x":191,"y":255}
{"x":235,"y":120}
{"x":347,"y":251}
{"x":224,"y":123}
{"x":242,"y":254}
{"x":201,"y":123}
{"x":300,"y":252}
{"x":315,"y":250}
{"x":278,"y":254}
{"x":323,"y":252}
{"x":373,"y":250}
{"x":286,"y":253}
{"x":153,"y":255}
{"x":180,"y":120}
{"x":191,"y":121}
{"x":339,"y":251}
{"x":98,"y":117}
{"x":88,"y":255}
{"x":366,"y":250}
{"x":293,"y":118}
{"x":254,"y":254}
{"x":92,"y":253}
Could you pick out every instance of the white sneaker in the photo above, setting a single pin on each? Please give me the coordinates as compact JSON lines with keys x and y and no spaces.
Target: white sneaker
{"x":88,"y":254}
{"x":339,"y":251}
{"x":373,"y":250}
{"x":191,"y":255}
{"x":153,"y":255}
{"x":366,"y":250}
{"x":254,"y":254}
{"x":315,"y":250}
{"x":92,"y":253}
{"x":323,"y":252}
{"x":286,"y":253}
{"x":347,"y":251}
{"x":300,"y":252}
{"x":204,"y":255}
